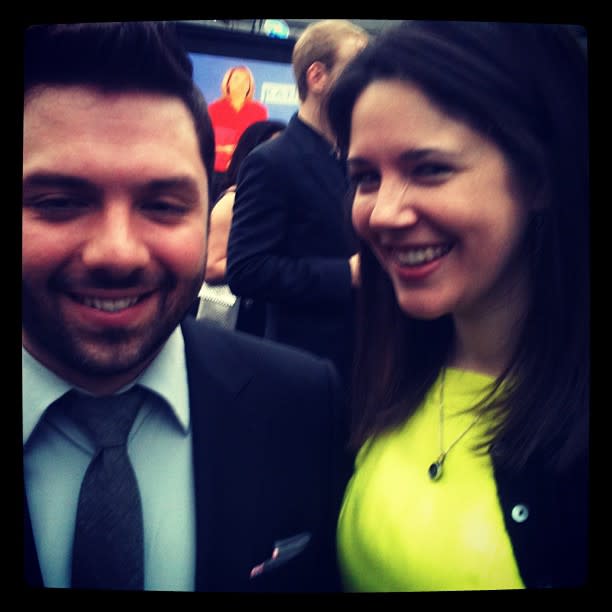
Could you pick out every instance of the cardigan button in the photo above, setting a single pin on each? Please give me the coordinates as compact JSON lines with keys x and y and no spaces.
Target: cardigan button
{"x":519,"y":513}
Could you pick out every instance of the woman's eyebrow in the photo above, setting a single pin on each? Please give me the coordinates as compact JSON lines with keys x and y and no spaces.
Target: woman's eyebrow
{"x":410,"y":155}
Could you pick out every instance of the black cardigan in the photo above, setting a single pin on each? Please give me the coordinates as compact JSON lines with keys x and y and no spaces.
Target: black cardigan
{"x":547,"y":518}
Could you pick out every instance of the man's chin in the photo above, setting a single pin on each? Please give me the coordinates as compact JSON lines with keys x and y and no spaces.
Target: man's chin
{"x":74,"y":350}
{"x":115,"y":355}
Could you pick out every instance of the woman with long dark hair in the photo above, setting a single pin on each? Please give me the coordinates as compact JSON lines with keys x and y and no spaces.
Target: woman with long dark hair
{"x":467,"y":147}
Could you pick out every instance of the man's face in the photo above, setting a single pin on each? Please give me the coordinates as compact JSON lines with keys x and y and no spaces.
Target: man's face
{"x":114,"y":230}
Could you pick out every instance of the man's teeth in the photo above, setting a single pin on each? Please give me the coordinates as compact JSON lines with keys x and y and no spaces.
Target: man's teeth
{"x":416,"y":257}
{"x":109,"y":305}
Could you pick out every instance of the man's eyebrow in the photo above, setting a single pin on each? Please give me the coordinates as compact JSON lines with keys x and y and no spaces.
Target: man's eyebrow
{"x":57,"y":180}
{"x":184,"y":185}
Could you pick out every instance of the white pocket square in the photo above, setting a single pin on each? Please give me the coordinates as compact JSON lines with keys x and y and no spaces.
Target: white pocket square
{"x":283,"y":551}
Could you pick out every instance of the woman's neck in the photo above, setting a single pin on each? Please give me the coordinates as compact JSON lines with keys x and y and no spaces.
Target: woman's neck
{"x":237,"y":102}
{"x":486,"y":337}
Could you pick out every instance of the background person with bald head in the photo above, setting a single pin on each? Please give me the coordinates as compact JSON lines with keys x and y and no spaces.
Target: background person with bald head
{"x":291,"y":243}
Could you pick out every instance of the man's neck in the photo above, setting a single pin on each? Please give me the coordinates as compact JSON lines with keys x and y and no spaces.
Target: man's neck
{"x":312,"y":114}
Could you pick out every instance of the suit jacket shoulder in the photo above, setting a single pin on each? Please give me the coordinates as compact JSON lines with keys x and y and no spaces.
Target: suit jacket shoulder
{"x":268,"y":460}
{"x":233,"y":360}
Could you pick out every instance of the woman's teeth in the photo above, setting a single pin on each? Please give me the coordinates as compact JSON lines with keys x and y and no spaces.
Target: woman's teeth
{"x":417,"y":257}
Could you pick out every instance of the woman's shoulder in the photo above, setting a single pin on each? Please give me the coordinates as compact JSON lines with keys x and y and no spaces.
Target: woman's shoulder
{"x":256,"y":109}
{"x":230,"y":189}
{"x":225,"y":198}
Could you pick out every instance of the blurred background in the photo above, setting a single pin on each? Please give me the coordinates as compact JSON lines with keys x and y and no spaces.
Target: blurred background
{"x":292,"y":28}
{"x":284,"y":28}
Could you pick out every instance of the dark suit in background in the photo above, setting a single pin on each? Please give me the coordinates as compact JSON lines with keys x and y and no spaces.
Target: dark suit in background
{"x":290,"y":243}
{"x":267,"y":459}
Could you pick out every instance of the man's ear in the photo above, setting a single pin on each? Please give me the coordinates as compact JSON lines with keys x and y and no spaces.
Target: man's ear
{"x":316,"y":77}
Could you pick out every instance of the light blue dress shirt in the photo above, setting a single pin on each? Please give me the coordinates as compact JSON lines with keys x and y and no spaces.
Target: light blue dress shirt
{"x":56,"y":456}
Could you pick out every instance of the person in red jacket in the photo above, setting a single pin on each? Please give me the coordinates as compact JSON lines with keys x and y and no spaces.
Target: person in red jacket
{"x":234,"y":112}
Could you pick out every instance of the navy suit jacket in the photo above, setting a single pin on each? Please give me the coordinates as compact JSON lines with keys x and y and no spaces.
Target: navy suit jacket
{"x":290,"y":242}
{"x":268,"y":462}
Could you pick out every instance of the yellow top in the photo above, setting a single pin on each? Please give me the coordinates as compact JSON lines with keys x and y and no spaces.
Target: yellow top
{"x":400,"y":531}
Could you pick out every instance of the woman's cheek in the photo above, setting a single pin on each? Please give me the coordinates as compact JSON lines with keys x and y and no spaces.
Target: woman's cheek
{"x":360,"y":215}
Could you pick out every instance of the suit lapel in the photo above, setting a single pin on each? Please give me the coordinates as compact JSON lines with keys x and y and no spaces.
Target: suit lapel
{"x":223,"y":435}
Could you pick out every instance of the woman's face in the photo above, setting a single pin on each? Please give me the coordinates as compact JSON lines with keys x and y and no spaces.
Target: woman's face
{"x":436,"y":203}
{"x":239,"y":84}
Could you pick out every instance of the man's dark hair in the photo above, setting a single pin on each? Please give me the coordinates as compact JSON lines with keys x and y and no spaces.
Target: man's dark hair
{"x":115,"y":57}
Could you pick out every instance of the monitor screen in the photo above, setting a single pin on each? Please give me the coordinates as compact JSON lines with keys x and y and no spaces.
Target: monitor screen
{"x":244,"y":78}
{"x":274,"y":83}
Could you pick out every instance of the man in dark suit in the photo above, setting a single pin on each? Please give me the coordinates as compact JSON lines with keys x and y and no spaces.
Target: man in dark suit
{"x":235,"y":445}
{"x":291,"y":243}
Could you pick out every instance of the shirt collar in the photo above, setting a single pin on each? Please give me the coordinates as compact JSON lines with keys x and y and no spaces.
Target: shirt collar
{"x":40,"y":387}
{"x":166,"y":376}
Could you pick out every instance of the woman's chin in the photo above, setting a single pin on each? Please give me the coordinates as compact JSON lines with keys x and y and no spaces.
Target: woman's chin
{"x":422,"y":309}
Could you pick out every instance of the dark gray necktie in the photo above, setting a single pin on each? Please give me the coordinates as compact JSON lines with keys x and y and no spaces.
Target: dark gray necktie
{"x":108,"y":541}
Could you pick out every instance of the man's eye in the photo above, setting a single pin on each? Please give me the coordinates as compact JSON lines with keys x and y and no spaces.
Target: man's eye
{"x":58,"y":203}
{"x":57,"y":207}
{"x":165,"y":209}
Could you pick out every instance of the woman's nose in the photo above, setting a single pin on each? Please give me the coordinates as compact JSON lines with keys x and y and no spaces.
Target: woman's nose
{"x":394,"y":205}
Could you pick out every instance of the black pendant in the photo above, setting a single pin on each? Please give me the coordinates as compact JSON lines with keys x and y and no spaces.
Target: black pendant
{"x":435,"y":469}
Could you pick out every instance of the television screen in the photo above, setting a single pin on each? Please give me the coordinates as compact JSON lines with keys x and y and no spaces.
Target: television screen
{"x":244,"y":78}
{"x":274,"y":83}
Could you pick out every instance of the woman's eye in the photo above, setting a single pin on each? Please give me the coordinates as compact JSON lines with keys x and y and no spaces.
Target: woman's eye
{"x":432,"y":171}
{"x":364,"y":181}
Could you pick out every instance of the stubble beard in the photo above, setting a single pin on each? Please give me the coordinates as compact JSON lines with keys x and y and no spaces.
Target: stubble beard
{"x":107,"y":354}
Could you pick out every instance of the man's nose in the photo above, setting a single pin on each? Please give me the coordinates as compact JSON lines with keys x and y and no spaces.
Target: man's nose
{"x":116,"y":240}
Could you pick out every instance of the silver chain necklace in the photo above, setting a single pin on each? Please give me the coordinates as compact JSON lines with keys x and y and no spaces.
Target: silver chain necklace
{"x":435,"y":469}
